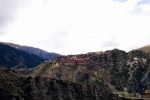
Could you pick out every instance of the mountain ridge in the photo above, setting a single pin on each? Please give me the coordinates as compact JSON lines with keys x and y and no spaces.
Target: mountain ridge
{"x":32,"y":50}
{"x":14,"y":58}
{"x":119,"y":68}
{"x":145,"y":48}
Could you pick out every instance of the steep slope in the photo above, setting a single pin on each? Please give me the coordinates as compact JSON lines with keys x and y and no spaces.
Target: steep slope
{"x":145,"y":49}
{"x":16,"y":87}
{"x":41,"y":88}
{"x":39,"y":52}
{"x":10,"y":85}
{"x":118,"y":68}
{"x":11,"y":57}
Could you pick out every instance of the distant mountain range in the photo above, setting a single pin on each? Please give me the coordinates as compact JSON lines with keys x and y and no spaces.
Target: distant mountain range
{"x":39,"y":52}
{"x":14,"y":58}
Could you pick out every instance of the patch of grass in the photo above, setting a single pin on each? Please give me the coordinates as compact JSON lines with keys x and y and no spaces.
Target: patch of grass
{"x":98,"y":80}
{"x":54,"y":61}
{"x":127,"y":95}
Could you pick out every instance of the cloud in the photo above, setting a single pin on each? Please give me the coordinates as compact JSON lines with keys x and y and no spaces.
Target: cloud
{"x":57,"y":39}
{"x":122,"y":1}
{"x":76,"y":26}
{"x":145,"y":8}
{"x":8,"y":12}
{"x":111,"y":43}
{"x":141,"y":8}
{"x":143,"y":2}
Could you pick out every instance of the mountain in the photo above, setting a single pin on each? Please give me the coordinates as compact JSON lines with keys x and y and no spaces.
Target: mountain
{"x":14,"y":58}
{"x":17,"y":87}
{"x":145,"y":49}
{"x":91,"y":76}
{"x":39,"y":52}
{"x":121,"y":70}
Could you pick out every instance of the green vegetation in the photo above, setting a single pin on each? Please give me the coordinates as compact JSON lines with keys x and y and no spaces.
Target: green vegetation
{"x":99,"y":80}
{"x":28,"y":88}
{"x":54,"y":61}
{"x":127,"y":95}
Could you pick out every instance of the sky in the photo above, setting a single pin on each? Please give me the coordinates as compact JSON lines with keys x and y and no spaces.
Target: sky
{"x":76,"y":26}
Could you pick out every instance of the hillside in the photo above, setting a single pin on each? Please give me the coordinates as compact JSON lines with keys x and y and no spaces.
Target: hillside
{"x":16,"y":87}
{"x":39,"y":52}
{"x":119,"y":69}
{"x":145,"y":49}
{"x":14,"y":58}
{"x":10,"y":84}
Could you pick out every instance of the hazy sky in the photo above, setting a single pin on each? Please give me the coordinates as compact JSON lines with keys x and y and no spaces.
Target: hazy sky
{"x":76,"y":26}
